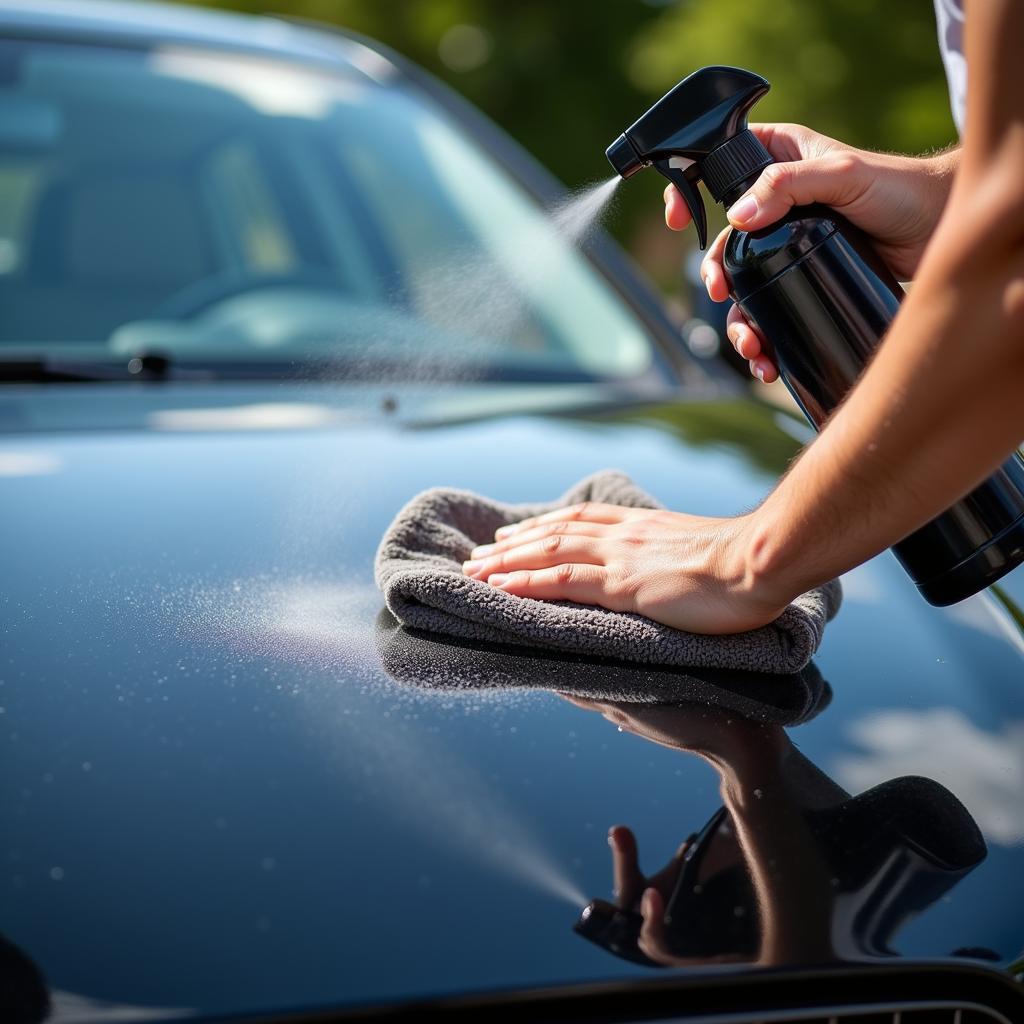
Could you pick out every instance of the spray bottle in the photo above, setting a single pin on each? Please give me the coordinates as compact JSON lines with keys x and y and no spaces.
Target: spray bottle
{"x":821,"y":299}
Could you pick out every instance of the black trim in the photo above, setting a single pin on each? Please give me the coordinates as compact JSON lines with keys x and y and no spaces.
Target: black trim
{"x":889,"y":985}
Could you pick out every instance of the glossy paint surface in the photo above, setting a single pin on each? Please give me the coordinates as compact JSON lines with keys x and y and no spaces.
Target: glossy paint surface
{"x":230,"y":785}
{"x":216,"y":796}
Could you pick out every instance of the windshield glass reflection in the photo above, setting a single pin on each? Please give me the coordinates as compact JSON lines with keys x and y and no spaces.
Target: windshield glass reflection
{"x":305,"y":217}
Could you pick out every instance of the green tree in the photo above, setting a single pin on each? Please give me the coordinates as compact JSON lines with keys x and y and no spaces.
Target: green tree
{"x":564,"y":77}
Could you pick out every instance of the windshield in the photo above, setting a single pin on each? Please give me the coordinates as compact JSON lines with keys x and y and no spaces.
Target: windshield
{"x":222,"y":209}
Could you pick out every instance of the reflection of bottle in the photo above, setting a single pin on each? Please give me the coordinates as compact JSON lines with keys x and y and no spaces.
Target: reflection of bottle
{"x":792,"y":870}
{"x":890,"y":853}
{"x":24,"y":998}
{"x":822,"y":300}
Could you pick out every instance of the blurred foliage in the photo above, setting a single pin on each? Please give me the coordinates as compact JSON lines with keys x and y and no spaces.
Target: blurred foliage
{"x":749,"y":430}
{"x":565,"y":78}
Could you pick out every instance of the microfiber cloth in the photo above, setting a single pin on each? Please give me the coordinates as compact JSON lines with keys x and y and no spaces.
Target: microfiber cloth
{"x":446,"y":666}
{"x":419,"y":569}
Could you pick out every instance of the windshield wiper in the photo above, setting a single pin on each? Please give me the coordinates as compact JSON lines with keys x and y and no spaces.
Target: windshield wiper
{"x":45,"y":370}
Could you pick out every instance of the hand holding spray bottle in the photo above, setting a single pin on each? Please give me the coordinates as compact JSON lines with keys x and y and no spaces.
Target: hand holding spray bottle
{"x":822,"y":299}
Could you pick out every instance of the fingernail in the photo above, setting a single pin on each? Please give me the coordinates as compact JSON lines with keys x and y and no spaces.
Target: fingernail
{"x":504,"y":531}
{"x":481,"y":549}
{"x":471,"y":567}
{"x":498,"y":579}
{"x":743,"y":209}
{"x":759,"y":370}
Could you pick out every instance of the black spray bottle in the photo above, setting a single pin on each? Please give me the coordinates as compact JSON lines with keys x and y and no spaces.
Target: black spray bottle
{"x":822,"y":299}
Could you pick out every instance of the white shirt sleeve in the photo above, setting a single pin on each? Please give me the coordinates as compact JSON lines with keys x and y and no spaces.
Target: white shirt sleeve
{"x":949,"y":17}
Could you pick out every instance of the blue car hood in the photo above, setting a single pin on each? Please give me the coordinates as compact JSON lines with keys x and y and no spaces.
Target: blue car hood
{"x":215,"y":799}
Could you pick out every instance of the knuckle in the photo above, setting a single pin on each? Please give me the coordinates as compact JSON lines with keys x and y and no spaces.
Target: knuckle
{"x":552,"y":543}
{"x":844,"y":163}
{"x":620,"y":588}
{"x":777,"y":176}
{"x":798,"y":132}
{"x":564,"y":574}
{"x":577,"y":510}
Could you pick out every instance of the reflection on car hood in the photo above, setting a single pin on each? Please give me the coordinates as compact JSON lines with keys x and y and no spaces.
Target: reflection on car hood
{"x":216,"y":796}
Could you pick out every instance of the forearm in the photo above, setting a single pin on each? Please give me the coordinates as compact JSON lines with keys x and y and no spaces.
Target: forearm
{"x":940,"y":405}
{"x":937,"y":410}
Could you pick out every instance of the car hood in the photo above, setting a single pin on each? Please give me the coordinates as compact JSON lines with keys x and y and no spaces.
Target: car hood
{"x":220,"y":796}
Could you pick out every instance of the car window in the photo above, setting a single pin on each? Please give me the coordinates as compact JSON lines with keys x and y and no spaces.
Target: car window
{"x":17,"y":185}
{"x":243,"y":209}
{"x":222,"y":208}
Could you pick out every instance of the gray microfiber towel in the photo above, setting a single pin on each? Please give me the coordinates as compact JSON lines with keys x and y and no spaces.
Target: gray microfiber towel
{"x":446,"y":666}
{"x":419,"y":569}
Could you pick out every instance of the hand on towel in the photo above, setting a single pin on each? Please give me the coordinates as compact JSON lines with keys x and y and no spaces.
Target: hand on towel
{"x":688,"y":572}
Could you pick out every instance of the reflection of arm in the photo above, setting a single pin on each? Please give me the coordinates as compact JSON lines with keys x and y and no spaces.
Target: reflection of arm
{"x":791,"y":880}
{"x":792,"y":884}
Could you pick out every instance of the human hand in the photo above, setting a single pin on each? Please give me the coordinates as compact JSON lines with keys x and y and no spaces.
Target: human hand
{"x":630,"y":882}
{"x":649,"y":895}
{"x":689,"y":572}
{"x":896,"y":200}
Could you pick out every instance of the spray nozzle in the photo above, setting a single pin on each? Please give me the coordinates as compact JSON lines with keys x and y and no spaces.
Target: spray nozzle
{"x":698,"y":131}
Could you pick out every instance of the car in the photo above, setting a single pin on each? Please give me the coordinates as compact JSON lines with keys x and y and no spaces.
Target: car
{"x":260,"y":283}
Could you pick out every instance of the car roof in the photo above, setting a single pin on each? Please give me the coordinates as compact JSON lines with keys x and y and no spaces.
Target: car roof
{"x":147,"y":24}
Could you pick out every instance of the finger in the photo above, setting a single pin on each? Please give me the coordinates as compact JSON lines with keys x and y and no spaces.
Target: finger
{"x":542,"y":554}
{"x":764,"y":370}
{"x":834,"y":180}
{"x":711,"y":270}
{"x":539,"y":533}
{"x":652,"y":938}
{"x":629,"y":882}
{"x":787,"y":142}
{"x":677,"y":213}
{"x":742,"y":336}
{"x":584,"y":511}
{"x":580,"y":702}
{"x":584,"y":584}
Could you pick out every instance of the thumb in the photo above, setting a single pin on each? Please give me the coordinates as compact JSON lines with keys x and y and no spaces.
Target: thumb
{"x":834,"y":180}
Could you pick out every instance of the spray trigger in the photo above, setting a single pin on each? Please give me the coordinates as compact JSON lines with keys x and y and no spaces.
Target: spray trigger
{"x":670,"y":168}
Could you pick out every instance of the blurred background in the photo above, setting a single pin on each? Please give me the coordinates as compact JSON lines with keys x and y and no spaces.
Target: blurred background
{"x":565,"y":78}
